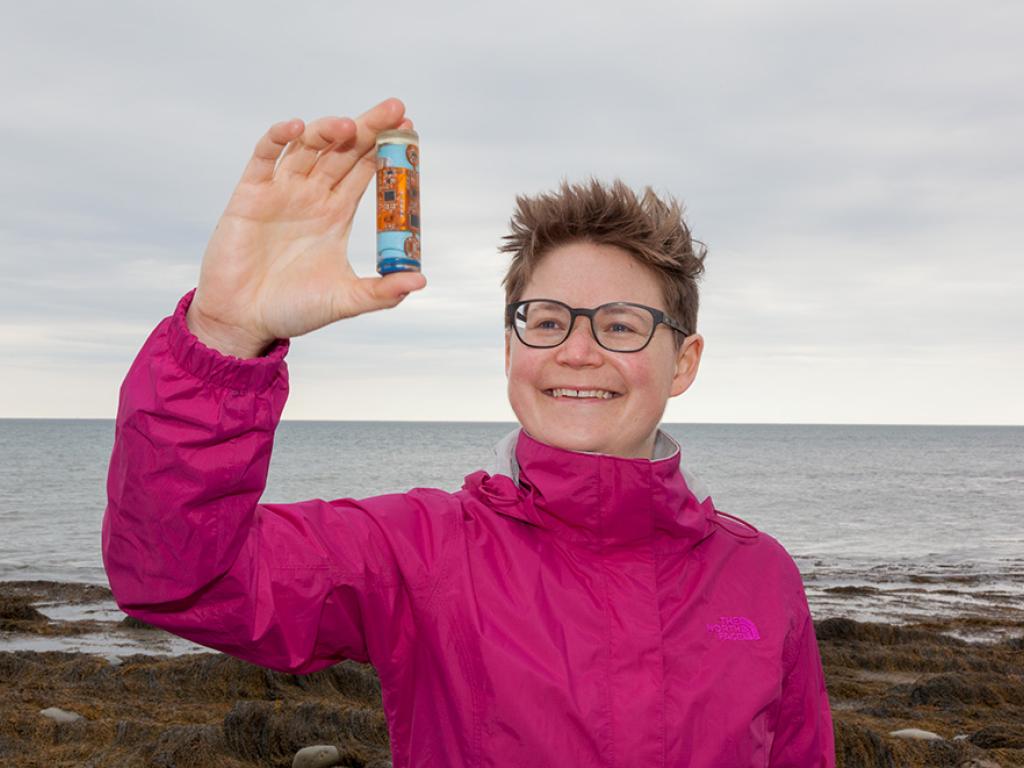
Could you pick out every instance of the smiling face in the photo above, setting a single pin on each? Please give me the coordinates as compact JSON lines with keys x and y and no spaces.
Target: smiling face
{"x":542,"y":382}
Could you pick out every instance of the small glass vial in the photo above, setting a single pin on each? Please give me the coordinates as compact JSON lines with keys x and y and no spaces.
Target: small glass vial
{"x":398,"y":201}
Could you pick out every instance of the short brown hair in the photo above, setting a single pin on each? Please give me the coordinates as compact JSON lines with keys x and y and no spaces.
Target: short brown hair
{"x":652,"y":230}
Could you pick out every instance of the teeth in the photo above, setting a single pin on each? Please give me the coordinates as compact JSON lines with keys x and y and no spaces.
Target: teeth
{"x":599,"y":393}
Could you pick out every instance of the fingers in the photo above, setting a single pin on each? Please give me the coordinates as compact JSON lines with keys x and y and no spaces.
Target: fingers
{"x":302,"y":153}
{"x":264,"y":158}
{"x":353,"y":185}
{"x":334,"y":165}
{"x":326,"y":148}
{"x":355,"y":182}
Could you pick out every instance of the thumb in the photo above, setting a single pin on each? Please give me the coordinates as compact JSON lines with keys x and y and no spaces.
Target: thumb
{"x":388,"y":291}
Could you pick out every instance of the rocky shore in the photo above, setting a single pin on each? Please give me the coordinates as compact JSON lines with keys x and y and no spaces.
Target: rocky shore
{"x":907,"y":695}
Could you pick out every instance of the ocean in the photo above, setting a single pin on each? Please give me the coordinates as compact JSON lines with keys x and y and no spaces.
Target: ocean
{"x":885,"y":523}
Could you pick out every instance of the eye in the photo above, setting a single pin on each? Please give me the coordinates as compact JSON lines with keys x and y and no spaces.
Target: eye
{"x":622,"y":320}
{"x":619,"y":328}
{"x":541,"y":322}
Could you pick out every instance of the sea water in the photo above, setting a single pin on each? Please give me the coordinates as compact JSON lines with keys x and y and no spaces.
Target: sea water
{"x":884,"y":522}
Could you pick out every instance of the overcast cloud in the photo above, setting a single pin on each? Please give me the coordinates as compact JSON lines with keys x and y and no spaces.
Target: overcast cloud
{"x":855,"y":169}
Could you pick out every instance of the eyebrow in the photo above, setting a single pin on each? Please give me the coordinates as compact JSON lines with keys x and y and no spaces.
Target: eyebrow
{"x":621,"y":310}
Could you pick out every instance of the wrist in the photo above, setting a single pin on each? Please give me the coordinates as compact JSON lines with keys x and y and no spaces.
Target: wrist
{"x":225,"y":339}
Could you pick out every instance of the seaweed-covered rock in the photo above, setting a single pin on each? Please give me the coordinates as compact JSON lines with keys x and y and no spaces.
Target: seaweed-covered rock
{"x":952,"y":691}
{"x":848,"y":630}
{"x":187,"y":746}
{"x":999,"y":737}
{"x":133,"y":623}
{"x":272,"y":732}
{"x":858,"y":746}
{"x":16,"y":610}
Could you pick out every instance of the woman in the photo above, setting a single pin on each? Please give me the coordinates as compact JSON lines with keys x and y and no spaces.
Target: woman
{"x":581,"y":603}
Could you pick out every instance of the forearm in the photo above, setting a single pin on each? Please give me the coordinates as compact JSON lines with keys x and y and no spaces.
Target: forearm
{"x":192,"y":448}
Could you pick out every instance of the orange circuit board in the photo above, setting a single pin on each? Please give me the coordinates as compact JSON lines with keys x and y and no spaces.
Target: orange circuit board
{"x":398,"y":200}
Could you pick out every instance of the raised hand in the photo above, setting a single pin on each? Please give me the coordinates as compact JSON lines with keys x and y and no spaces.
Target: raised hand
{"x":277,"y":264}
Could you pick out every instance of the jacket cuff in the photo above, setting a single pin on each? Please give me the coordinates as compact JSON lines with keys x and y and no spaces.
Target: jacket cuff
{"x":255,"y":374}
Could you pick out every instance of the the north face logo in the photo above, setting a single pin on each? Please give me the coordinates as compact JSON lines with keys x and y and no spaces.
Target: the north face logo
{"x":734,"y":628}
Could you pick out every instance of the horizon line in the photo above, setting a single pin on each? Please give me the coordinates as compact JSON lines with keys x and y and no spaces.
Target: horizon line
{"x":513,"y":423}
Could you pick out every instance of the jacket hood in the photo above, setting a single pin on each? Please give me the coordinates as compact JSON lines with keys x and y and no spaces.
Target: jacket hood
{"x":596,"y":498}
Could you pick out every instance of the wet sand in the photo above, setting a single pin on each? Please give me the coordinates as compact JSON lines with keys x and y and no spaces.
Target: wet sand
{"x":146,"y":698}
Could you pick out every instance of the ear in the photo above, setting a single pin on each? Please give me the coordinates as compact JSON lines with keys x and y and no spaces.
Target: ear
{"x":508,"y":350}
{"x":687,"y":363}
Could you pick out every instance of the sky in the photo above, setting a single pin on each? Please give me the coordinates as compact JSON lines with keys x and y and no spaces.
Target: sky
{"x":855,"y":169}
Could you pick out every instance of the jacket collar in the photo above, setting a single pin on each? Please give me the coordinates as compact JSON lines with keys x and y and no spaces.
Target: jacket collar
{"x":596,"y":498}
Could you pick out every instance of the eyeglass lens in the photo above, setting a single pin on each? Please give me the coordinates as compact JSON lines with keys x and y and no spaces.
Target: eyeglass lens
{"x":619,"y":327}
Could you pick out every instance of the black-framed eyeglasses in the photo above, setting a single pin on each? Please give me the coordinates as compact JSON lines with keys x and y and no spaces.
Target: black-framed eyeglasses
{"x":620,"y":326}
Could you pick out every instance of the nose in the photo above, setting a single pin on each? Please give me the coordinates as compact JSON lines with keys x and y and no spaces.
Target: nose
{"x":581,"y":348}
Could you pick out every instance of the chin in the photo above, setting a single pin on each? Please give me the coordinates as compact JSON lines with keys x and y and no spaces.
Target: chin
{"x":581,"y":445}
{"x":563,"y":440}
{"x":569,"y":441}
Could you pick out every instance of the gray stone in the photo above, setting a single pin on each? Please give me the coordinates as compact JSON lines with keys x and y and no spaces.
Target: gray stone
{"x":319,"y":756}
{"x":60,"y":715}
{"x":916,"y":733}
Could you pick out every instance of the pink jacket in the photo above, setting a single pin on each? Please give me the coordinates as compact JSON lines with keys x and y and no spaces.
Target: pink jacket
{"x":561,"y":609}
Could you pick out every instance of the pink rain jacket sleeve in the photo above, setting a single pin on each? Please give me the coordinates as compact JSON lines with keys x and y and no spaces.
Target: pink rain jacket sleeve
{"x":563,"y":609}
{"x":187,"y":547}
